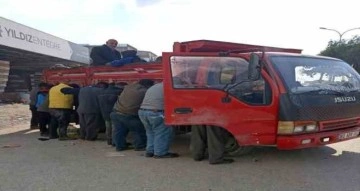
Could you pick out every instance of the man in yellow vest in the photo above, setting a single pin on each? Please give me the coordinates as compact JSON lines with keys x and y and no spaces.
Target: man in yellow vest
{"x":60,"y":106}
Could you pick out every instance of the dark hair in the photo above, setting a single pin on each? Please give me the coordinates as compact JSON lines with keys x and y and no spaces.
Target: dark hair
{"x":50,"y":86}
{"x":146,"y":82}
{"x":102,"y":85}
{"x":74,"y":85}
{"x":121,"y":84}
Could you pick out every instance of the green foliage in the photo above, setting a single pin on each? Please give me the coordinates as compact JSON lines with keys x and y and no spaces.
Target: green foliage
{"x":349,"y":51}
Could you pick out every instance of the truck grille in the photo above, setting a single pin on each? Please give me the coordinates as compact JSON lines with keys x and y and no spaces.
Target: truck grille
{"x":339,"y":124}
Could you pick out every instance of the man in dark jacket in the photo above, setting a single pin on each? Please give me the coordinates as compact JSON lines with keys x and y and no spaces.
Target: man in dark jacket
{"x":107,"y":100}
{"x":89,"y":111}
{"x":106,"y":53}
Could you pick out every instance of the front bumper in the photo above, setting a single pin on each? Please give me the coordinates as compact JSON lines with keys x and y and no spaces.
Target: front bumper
{"x":289,"y":142}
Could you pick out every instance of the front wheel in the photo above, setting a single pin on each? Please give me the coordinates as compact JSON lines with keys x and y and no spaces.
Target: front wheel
{"x":232,"y":148}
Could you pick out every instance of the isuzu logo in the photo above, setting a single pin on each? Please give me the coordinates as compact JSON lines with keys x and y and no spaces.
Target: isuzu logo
{"x":345,"y":99}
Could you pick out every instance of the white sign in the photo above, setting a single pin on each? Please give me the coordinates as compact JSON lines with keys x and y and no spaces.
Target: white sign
{"x":19,"y":36}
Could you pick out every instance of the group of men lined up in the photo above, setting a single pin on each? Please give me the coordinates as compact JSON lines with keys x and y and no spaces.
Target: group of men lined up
{"x":136,"y":108}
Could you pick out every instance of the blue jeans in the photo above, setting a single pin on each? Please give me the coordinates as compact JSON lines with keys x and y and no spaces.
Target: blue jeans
{"x":159,"y":136}
{"x":122,"y":124}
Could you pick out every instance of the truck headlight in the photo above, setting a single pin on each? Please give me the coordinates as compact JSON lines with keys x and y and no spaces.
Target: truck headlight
{"x":310,"y":127}
{"x":293,"y":127}
{"x":298,"y":129}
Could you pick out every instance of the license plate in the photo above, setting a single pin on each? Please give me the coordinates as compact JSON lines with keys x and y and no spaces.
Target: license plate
{"x":348,"y":135}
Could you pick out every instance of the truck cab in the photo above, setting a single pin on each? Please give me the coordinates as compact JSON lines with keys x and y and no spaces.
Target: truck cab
{"x":294,"y":101}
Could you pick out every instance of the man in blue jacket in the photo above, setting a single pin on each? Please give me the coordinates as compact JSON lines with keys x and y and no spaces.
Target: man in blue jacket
{"x":101,"y":55}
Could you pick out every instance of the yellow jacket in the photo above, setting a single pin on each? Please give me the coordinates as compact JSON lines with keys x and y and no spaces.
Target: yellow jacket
{"x":58,"y":100}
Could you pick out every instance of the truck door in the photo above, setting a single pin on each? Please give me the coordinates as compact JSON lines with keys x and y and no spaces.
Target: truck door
{"x":208,"y":89}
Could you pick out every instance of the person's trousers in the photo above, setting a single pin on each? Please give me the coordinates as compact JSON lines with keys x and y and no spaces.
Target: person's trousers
{"x":123,"y":124}
{"x":62,"y":118}
{"x":159,"y":136}
{"x":53,"y":127}
{"x":74,"y":117}
{"x":108,"y":131}
{"x":89,"y":125}
{"x":210,"y":137}
{"x":34,"y":121}
{"x":44,"y":121}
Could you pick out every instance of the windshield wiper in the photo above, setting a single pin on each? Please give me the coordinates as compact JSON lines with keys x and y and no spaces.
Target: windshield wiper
{"x":353,"y":91}
{"x":322,"y":91}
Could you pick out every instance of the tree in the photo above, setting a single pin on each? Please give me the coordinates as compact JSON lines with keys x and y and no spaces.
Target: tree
{"x":349,"y":51}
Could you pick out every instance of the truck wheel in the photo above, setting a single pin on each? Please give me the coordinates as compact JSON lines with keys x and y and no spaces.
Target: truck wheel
{"x":232,"y":148}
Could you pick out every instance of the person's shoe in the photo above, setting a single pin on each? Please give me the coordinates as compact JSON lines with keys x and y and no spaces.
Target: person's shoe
{"x":224,"y":161}
{"x":198,"y":158}
{"x":168,"y":155}
{"x":123,"y":149}
{"x":43,"y":139}
{"x":140,"y":149}
{"x":51,"y":137}
{"x":149,"y":155}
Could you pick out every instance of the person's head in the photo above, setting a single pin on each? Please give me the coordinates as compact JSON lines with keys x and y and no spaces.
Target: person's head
{"x":112,"y":43}
{"x":43,"y":86}
{"x":121,"y":84}
{"x":146,"y":82}
{"x":50,"y":86}
{"x":102,"y":85}
{"x":74,"y":85}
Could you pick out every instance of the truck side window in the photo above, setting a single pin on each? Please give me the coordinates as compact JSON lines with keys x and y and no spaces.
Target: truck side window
{"x":184,"y":71}
{"x":227,"y":74}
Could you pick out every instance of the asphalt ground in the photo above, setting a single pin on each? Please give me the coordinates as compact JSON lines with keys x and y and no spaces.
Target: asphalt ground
{"x":29,"y":164}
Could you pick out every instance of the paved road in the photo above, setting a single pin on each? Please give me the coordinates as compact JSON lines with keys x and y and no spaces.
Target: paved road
{"x":79,"y":165}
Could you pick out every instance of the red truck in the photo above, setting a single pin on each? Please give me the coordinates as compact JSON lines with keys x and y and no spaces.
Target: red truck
{"x":263,"y":96}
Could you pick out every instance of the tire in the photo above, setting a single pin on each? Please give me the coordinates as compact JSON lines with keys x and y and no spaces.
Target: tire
{"x":232,"y":148}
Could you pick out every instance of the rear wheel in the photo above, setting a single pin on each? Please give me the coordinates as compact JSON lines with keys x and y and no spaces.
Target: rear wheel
{"x":232,"y":148}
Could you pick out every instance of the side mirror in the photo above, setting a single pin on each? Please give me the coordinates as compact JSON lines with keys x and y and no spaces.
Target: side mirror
{"x":254,"y":67}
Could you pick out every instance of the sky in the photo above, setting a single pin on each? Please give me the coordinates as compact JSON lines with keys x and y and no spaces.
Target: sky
{"x":154,"y":25}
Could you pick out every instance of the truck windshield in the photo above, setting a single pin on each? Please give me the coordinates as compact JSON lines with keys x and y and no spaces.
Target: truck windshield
{"x":316,"y":75}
